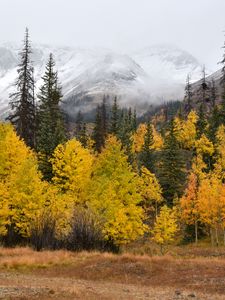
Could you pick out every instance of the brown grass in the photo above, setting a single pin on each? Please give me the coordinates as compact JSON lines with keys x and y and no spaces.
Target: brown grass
{"x":199,"y":273}
{"x":26,"y":257}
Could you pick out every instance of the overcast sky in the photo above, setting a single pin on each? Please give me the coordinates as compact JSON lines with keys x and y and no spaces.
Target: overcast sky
{"x":123,"y":25}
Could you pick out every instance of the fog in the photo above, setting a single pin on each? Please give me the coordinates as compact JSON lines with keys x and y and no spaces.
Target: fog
{"x":121,"y":25}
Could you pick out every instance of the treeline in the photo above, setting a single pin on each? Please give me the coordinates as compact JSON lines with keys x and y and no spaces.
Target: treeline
{"x":111,"y":185}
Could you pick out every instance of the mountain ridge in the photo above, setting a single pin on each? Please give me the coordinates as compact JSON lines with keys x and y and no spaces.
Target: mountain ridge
{"x":138,"y":78}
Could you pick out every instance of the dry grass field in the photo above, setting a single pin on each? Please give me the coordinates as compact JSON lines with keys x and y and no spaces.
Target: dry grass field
{"x":199,"y":274}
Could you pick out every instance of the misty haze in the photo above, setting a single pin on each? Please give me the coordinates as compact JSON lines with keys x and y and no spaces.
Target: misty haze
{"x":112,"y":149}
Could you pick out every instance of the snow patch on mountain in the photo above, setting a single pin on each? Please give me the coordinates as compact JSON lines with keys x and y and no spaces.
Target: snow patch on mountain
{"x":154,"y":74}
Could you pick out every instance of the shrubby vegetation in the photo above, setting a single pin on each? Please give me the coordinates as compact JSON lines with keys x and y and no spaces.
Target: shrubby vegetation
{"x":114,"y":184}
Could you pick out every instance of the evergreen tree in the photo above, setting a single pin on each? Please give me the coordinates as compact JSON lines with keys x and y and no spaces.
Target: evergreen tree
{"x":79,"y":125}
{"x":51,"y":131}
{"x":202,"y":122}
{"x":97,"y":132}
{"x":203,"y":89}
{"x":146,"y":155}
{"x":125,"y":134}
{"x":83,"y":135}
{"x":188,"y":96}
{"x":22,"y":101}
{"x":114,"y":122}
{"x":213,"y":93}
{"x":134,"y":121}
{"x":104,"y":117}
{"x":101,"y":126}
{"x":172,"y":167}
{"x":214,"y":123}
{"x":222,"y":84}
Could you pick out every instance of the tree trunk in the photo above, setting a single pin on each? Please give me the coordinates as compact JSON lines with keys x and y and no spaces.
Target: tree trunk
{"x":211,"y":235}
{"x":196,"y":232}
{"x":217,"y":239}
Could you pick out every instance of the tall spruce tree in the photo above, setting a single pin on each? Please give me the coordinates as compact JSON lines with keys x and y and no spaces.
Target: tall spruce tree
{"x":202,"y":121}
{"x":101,"y":126}
{"x":51,"y":131}
{"x":114,"y":121}
{"x":213,"y":95}
{"x":83,"y":135}
{"x":222,"y":84}
{"x":188,"y":95}
{"x":171,"y":170}
{"x":22,"y":101}
{"x":214,"y":123}
{"x":134,"y":121}
{"x":146,"y":155}
{"x":125,"y":133}
{"x":203,"y":89}
{"x":79,"y":124}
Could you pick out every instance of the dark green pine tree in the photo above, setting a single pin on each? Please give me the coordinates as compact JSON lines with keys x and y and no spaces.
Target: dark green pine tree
{"x":213,"y":95}
{"x":97,"y":132}
{"x":101,"y":126}
{"x":214,"y":119}
{"x":79,"y":125}
{"x":146,"y":155}
{"x":214,"y":123}
{"x":202,"y":121}
{"x":203,"y":88}
{"x":188,"y":96}
{"x":104,"y":117}
{"x":22,"y":102}
{"x":134,"y":121}
{"x":171,"y":168}
{"x":125,"y":133}
{"x":222,"y":84}
{"x":51,"y":130}
{"x":114,"y":121}
{"x":83,"y":135}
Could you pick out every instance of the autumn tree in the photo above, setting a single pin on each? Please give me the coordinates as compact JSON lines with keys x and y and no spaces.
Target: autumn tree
{"x":20,"y":182}
{"x":113,"y":193}
{"x":72,"y":167}
{"x":189,"y":204}
{"x":165,"y":228}
{"x":150,"y":191}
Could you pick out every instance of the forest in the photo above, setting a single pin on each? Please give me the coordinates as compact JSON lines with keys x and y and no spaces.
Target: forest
{"x":118,"y":180}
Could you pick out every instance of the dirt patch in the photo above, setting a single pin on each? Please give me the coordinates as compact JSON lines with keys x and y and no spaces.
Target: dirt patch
{"x":25,"y":274}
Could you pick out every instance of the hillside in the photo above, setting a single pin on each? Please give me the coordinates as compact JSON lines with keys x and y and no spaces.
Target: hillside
{"x":152,"y":75}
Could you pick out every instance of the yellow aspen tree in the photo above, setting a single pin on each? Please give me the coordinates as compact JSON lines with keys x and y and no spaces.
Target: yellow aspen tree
{"x":139,"y":137}
{"x":189,"y":204}
{"x":72,"y":166}
{"x":219,"y":167}
{"x":186,"y":132}
{"x":113,"y":194}
{"x":150,"y":191}
{"x":165,"y":228}
{"x":209,"y":203}
{"x":20,"y":182}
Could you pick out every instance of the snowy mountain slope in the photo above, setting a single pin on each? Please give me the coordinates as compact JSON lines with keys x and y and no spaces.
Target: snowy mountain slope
{"x":167,"y":67}
{"x":150,"y":75}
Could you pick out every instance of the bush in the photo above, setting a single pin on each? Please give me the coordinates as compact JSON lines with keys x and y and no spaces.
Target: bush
{"x":86,"y":233}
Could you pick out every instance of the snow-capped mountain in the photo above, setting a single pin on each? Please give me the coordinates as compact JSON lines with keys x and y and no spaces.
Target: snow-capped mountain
{"x":151,"y":75}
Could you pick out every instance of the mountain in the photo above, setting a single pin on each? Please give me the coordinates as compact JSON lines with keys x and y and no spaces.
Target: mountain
{"x":140,"y":78}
